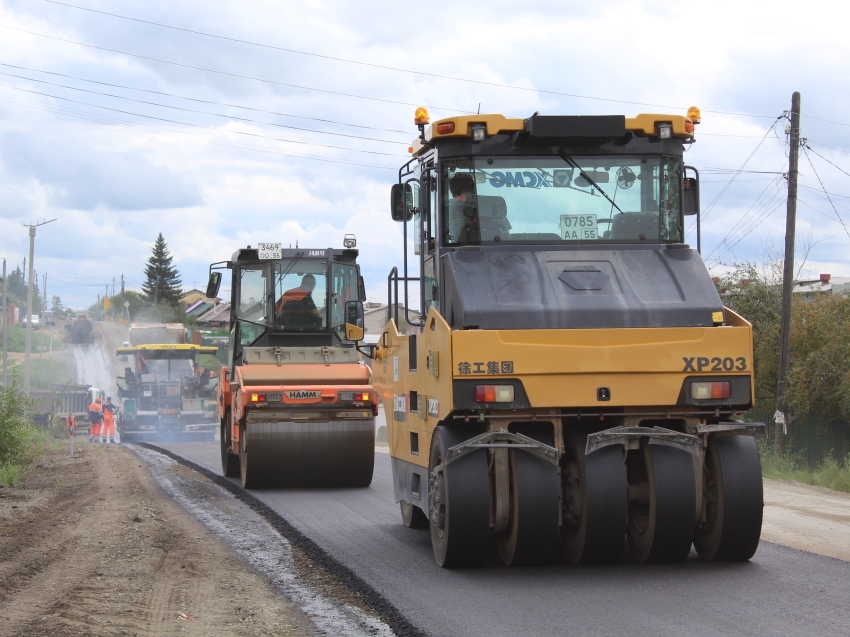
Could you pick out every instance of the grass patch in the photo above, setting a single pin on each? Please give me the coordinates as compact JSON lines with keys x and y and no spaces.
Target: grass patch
{"x":832,"y":474}
{"x":44,"y":373}
{"x":11,"y":474}
{"x":40,"y":338}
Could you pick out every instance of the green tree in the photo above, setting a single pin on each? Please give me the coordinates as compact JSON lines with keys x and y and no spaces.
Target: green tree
{"x":756,"y":294}
{"x":162,"y":280}
{"x":57,"y":307}
{"x":16,"y":289}
{"x":14,"y":424}
{"x":820,"y":354}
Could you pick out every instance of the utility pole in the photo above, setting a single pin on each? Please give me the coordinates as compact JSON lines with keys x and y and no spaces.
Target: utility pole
{"x":788,"y":280}
{"x":5,"y":330}
{"x":123,"y":307}
{"x":28,"y":346}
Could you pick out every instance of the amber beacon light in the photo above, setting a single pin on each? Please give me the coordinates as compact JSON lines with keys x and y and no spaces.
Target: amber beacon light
{"x":694,"y":114}
{"x":422,"y":116}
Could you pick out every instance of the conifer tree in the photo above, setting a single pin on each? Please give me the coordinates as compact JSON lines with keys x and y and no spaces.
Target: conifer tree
{"x":162,"y":281}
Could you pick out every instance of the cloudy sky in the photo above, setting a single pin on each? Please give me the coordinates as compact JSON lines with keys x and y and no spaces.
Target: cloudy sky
{"x":120,"y":129}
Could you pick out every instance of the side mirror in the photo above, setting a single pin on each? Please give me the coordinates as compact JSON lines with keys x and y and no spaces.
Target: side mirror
{"x":397,"y":203}
{"x":354,"y":313}
{"x":690,"y":196}
{"x":404,"y":200}
{"x":213,"y":285}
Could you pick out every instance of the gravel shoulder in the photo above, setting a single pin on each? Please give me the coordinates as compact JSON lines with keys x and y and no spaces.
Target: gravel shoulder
{"x":807,"y":518}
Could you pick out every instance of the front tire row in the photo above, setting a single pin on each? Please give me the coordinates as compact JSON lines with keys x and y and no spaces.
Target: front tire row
{"x":649,"y":499}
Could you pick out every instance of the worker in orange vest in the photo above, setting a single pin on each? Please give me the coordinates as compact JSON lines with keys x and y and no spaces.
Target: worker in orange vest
{"x":108,"y":431}
{"x":95,"y":418}
{"x":295,"y":308}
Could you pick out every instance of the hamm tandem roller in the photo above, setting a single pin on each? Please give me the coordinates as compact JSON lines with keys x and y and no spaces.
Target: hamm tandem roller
{"x":296,"y":403}
{"x":575,"y":379}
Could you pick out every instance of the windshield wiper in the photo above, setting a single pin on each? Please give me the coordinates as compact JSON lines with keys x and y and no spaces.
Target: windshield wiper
{"x":587,"y":178}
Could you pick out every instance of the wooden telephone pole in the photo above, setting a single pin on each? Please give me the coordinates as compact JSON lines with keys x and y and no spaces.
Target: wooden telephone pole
{"x":788,"y":279}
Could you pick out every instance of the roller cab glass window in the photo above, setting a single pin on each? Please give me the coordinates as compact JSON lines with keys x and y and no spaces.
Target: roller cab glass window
{"x":300,"y":295}
{"x":568,"y":199}
{"x":287,"y":295}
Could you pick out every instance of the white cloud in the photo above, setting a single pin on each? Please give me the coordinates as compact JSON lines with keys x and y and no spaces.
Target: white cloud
{"x":114,"y":187}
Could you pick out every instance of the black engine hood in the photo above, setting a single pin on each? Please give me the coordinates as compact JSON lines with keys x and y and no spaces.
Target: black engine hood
{"x":516,"y":287}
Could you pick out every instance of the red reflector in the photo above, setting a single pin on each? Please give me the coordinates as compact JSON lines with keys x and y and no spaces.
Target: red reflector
{"x":485,"y":393}
{"x":445,"y":129}
{"x":720,"y":390}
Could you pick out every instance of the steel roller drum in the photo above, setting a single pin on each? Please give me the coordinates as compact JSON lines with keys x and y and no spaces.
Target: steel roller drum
{"x":338,"y":453}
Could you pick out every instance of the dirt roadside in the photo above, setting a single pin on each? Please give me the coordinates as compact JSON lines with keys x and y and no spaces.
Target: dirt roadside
{"x":101,"y":544}
{"x":807,"y":518}
{"x":90,"y":545}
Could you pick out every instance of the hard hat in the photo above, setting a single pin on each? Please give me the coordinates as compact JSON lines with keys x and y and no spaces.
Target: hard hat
{"x":97,"y":400}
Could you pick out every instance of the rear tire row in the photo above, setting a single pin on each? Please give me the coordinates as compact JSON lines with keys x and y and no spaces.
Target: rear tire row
{"x":649,"y":500}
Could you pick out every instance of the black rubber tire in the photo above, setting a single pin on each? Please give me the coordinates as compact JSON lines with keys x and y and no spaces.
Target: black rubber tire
{"x":459,"y":500}
{"x":596,"y":504}
{"x":733,"y":500}
{"x":229,"y":460}
{"x":662,"y":528}
{"x":533,"y":534}
{"x":247,"y":474}
{"x":412,"y":516}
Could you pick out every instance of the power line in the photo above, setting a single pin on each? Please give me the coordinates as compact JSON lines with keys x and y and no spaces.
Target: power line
{"x":191,"y":110}
{"x":737,"y":172}
{"x":112,"y":121}
{"x":744,"y":225}
{"x":764,"y":211}
{"x":840,"y":150}
{"x":244,"y":77}
{"x":815,"y":190}
{"x":820,"y":212}
{"x":386,"y":67}
{"x":173,"y":121}
{"x":195,"y":99}
{"x":809,"y":159}
{"x":805,"y":145}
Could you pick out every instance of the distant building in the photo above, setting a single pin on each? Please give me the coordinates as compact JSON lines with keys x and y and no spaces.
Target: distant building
{"x":190,"y":297}
{"x":825,"y":284}
{"x":216,"y":315}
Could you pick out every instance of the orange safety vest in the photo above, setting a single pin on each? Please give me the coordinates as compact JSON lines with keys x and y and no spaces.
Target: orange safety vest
{"x":295,"y":294}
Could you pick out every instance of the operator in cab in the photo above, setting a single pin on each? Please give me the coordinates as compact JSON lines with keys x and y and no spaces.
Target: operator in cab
{"x":295,"y":308}
{"x":461,"y":205}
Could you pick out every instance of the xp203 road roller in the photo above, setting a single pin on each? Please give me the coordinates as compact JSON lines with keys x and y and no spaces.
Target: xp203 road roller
{"x":570,"y":377}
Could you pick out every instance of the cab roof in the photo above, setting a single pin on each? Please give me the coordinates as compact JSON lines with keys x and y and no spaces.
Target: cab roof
{"x":645,"y":124}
